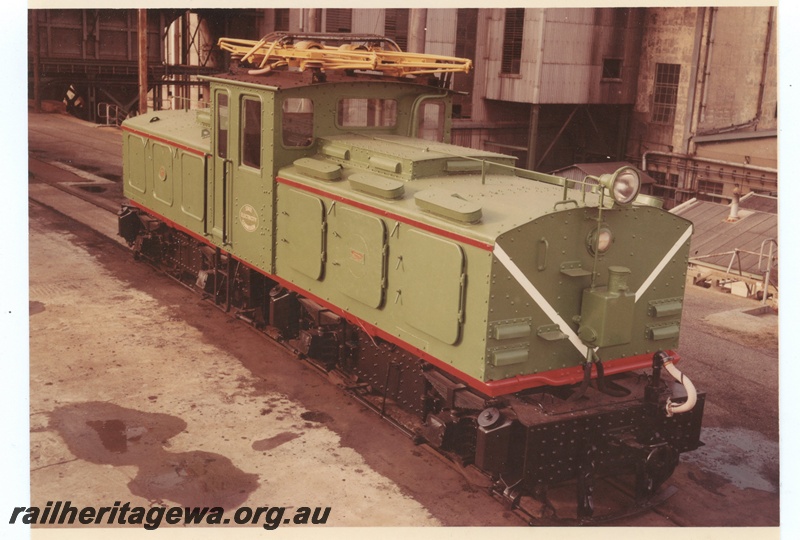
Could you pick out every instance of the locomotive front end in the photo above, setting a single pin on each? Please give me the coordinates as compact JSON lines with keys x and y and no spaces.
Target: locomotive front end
{"x":584,"y":301}
{"x":593,"y":282}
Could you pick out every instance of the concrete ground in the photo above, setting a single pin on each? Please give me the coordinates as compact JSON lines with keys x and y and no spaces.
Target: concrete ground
{"x":141,"y":392}
{"x":118,"y":398}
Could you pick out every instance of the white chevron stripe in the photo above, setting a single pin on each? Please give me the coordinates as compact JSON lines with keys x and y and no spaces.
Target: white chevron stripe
{"x":657,"y":270}
{"x":537,"y":297}
{"x":548,"y":310}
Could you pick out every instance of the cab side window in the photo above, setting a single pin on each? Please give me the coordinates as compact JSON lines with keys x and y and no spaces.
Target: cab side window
{"x":222,"y":124}
{"x":431,"y":121}
{"x":366,"y":112}
{"x":251,"y":132}
{"x":298,"y":122}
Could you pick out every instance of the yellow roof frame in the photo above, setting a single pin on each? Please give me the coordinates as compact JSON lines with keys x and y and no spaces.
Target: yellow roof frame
{"x":350,"y":52}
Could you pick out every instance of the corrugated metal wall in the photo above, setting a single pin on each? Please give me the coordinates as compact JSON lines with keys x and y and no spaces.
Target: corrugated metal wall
{"x":563,"y":54}
{"x":512,"y":87}
{"x":105,"y":34}
{"x":440,"y":37}
{"x":369,"y":21}
{"x":737,"y":61}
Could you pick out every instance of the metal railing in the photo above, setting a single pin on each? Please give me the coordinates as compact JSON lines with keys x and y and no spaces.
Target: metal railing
{"x":771,"y":261}
{"x":111,"y":114}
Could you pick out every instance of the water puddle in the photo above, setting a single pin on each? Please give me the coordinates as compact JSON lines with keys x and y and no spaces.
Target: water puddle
{"x":317,"y":416}
{"x":112,"y":434}
{"x":761,"y":311}
{"x":273,"y":442}
{"x":108,"y":434}
{"x":745,"y":458}
{"x":93,"y":189}
{"x":35,"y":307}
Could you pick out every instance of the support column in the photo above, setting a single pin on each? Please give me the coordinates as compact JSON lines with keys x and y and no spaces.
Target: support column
{"x":186,"y":36}
{"x":533,"y":136}
{"x":623,"y":127}
{"x":37,"y":83}
{"x":143,"y":83}
{"x":417,"y":20}
{"x":314,"y":20}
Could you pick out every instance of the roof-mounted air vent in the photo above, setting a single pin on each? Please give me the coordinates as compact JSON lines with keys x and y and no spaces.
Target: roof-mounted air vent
{"x":377,"y":185}
{"x":448,"y":205}
{"x":319,"y":169}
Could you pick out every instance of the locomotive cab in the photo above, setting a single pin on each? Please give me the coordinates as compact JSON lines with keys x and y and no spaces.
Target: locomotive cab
{"x":220,"y":180}
{"x":293,"y":119}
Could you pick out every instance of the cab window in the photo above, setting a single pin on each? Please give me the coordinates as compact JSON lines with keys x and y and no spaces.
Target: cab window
{"x":431,"y":120}
{"x":251,"y":132}
{"x":298,"y":122}
{"x":367,"y":112}
{"x":222,"y":124}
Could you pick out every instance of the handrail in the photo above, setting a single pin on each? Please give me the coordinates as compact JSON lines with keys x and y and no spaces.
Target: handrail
{"x":770,"y":261}
{"x":111,"y":113}
{"x":487,"y":163}
{"x":765,"y":271}
{"x":773,"y":244}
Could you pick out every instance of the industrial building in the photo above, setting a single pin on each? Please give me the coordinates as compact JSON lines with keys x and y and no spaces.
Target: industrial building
{"x":689,"y":94}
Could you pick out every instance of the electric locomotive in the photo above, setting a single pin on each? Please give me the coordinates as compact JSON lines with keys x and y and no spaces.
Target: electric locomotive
{"x":518,"y":322}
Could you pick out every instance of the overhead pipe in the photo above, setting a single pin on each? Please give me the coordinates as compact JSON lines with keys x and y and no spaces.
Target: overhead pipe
{"x":539,"y":62}
{"x":707,"y":72}
{"x":314,"y":18}
{"x":691,"y":109}
{"x":142,"y":50}
{"x":418,"y":20}
{"x":746,"y":166}
{"x":764,"y":62}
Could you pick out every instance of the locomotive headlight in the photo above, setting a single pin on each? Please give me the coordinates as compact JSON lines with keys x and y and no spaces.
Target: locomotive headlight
{"x":623,"y":185}
{"x":599,"y":240}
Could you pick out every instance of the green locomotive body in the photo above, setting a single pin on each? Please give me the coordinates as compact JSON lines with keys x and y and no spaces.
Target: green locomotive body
{"x":340,"y":191}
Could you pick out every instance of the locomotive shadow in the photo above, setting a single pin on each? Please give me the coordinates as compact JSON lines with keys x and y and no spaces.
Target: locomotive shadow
{"x":107,"y":434}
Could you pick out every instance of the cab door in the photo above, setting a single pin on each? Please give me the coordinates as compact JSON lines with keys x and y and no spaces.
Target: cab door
{"x":219,"y":190}
{"x":242,"y":196}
